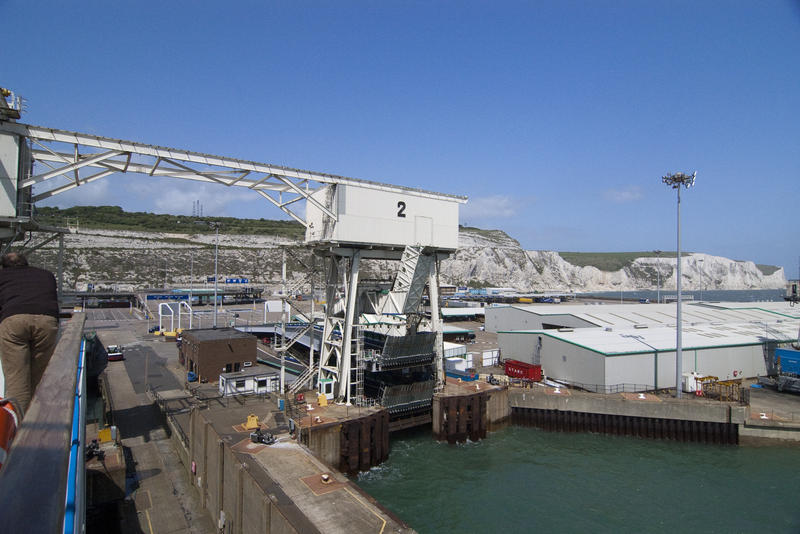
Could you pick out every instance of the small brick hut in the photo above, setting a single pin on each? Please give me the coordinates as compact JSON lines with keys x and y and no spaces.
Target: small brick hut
{"x":209,"y":352}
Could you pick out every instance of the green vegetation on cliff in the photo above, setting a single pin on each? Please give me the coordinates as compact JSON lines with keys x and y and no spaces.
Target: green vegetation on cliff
{"x":767,"y":270}
{"x":114,"y":218}
{"x":610,"y":261}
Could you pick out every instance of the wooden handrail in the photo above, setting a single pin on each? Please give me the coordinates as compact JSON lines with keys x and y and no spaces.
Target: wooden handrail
{"x":33,"y":481}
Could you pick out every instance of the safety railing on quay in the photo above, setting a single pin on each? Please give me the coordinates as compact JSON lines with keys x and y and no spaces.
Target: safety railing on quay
{"x":608,"y":389}
{"x":42,"y":482}
{"x":773,"y":415}
{"x":739,"y":394}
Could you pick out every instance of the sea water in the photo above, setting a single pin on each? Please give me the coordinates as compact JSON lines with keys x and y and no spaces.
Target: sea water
{"x":523,"y":479}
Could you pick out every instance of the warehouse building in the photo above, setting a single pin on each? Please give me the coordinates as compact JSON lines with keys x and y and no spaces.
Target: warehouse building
{"x":729,"y":343}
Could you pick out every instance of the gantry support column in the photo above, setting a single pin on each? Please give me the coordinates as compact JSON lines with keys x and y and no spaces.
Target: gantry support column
{"x":330,"y":347}
{"x":436,"y":322}
{"x":312,"y":321}
{"x":347,"y":334}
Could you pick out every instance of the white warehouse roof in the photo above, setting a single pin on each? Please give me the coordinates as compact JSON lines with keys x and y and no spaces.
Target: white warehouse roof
{"x":629,"y":315}
{"x":616,"y":341}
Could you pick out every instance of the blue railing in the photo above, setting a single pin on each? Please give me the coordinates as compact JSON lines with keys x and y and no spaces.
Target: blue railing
{"x":75,"y":506}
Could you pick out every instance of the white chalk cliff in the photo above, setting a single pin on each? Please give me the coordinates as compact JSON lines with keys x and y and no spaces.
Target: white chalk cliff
{"x":493,"y":258}
{"x":128,"y":259}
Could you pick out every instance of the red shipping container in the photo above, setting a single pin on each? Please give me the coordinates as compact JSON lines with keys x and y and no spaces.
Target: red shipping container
{"x":518,"y":369}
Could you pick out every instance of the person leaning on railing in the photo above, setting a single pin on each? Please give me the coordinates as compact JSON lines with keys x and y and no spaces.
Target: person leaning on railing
{"x":28,"y":325}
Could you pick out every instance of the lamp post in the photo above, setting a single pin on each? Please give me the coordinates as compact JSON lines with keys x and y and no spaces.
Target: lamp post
{"x":675,"y":181}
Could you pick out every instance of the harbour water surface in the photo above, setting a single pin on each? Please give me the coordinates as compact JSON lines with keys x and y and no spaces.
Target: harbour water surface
{"x":524,"y":479}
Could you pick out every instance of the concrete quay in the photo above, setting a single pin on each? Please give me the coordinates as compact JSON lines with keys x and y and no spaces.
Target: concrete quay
{"x":627,"y":404}
{"x":771,"y":416}
{"x":282,"y":487}
{"x":194,"y":467}
{"x":159,"y":498}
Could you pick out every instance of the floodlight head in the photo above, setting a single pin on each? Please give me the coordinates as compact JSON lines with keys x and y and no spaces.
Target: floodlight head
{"x":679,"y":178}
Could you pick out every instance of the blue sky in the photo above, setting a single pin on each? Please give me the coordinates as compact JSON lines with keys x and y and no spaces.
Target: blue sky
{"x":556,"y":118}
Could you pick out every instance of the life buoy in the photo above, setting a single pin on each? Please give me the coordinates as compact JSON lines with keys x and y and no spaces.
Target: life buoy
{"x":9,"y":421}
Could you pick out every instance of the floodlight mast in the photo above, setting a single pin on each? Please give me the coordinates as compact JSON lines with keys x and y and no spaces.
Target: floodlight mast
{"x":675,"y":181}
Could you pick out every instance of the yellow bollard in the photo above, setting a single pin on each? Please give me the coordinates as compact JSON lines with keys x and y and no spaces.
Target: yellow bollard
{"x":252,"y":422}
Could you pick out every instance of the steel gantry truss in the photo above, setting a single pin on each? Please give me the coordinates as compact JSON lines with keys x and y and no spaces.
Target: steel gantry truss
{"x":103,"y":156}
{"x":55,"y":161}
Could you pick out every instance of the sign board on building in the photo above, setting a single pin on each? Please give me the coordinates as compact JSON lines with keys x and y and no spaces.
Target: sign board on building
{"x":167,"y":297}
{"x":237,"y":280}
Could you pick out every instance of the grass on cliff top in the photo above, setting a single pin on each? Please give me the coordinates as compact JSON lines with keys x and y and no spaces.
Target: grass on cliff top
{"x":610,"y":261}
{"x":614,"y":261}
{"x":489,"y":234}
{"x":767,"y":270}
{"x":114,"y":218}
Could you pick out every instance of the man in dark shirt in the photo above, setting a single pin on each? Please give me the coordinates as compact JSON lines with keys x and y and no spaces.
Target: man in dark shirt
{"x":28,"y":325}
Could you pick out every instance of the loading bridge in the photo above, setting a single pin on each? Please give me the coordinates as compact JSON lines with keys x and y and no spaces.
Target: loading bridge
{"x":347,"y":220}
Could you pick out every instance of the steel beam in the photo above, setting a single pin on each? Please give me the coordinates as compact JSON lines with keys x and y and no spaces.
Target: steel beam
{"x":347,"y":334}
{"x":292,"y":177}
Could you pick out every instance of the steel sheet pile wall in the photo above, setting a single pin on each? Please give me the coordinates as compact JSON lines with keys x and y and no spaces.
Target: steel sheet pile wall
{"x":643,"y":427}
{"x":364,"y":442}
{"x":458,"y":418}
{"x":651,"y":417}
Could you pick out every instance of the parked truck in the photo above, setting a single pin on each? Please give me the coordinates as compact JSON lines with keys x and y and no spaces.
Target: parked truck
{"x":783,"y":368}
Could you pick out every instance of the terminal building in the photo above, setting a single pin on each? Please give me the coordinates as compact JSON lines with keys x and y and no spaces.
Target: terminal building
{"x":611,"y":347}
{"x":210,"y":352}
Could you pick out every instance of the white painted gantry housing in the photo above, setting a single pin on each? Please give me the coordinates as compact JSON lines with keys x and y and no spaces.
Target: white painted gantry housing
{"x":346,"y":219}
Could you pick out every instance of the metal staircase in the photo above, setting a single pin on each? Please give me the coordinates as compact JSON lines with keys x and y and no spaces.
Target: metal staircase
{"x":304,"y":380}
{"x":409,"y":283}
{"x":358,"y":385}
